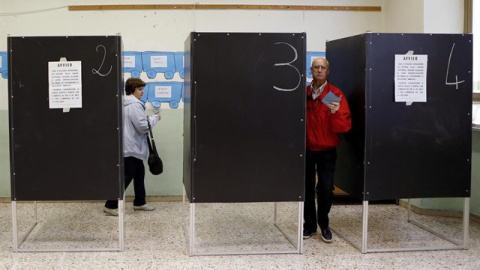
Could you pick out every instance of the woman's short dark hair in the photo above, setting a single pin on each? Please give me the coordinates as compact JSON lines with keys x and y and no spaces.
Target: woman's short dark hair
{"x":133,"y":83}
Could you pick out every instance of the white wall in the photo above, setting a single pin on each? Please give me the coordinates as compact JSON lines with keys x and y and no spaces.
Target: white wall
{"x":167,"y":29}
{"x":404,"y":16}
{"x":443,"y":16}
{"x":424,"y":16}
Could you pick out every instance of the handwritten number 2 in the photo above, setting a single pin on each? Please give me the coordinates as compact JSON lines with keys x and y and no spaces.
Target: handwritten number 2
{"x":290,"y":65}
{"x":97,"y":71}
{"x":456,"y":83}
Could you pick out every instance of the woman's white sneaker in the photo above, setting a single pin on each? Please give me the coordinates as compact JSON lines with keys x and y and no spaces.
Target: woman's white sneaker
{"x":110,"y":211}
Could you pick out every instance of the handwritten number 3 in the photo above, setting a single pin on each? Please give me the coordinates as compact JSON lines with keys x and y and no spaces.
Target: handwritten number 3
{"x":95,"y":71}
{"x":290,"y":65}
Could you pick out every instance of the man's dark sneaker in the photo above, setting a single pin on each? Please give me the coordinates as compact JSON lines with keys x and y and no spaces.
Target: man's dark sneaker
{"x":308,"y":233}
{"x":326,"y":235}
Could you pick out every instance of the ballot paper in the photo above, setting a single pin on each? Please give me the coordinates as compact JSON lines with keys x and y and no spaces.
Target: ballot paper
{"x":329,"y":98}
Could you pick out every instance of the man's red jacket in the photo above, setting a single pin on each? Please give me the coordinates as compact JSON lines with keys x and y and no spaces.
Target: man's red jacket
{"x":323,"y":127}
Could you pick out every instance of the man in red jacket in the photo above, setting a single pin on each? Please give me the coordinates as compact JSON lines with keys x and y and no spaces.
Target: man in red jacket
{"x":326,"y":119}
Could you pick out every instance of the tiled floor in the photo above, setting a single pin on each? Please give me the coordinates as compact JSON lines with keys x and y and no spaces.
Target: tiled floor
{"x":156,"y":240}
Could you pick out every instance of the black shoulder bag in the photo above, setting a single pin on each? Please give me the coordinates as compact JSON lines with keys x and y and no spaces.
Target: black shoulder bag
{"x":155,"y":163}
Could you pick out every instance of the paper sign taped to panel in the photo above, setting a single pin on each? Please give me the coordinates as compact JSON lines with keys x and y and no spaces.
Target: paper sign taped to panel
{"x":65,"y":84}
{"x":410,"y":78}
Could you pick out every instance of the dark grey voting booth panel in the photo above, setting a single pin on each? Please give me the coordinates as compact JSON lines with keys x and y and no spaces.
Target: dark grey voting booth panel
{"x":244,"y":117}
{"x":397,"y":149}
{"x":65,"y":114}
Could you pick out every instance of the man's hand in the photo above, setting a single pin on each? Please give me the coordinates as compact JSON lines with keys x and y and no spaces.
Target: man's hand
{"x":334,"y":106}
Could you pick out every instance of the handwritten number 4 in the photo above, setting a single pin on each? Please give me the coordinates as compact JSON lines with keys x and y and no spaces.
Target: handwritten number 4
{"x":456,"y":83}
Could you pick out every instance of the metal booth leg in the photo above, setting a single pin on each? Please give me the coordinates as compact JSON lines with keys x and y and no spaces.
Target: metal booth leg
{"x":299,"y":242}
{"x":364,"y":227}
{"x":121,"y":224}
{"x":466,"y":222}
{"x":192,"y":230}
{"x":16,"y":242}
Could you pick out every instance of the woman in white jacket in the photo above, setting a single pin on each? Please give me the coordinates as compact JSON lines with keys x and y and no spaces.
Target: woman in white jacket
{"x":135,"y":146}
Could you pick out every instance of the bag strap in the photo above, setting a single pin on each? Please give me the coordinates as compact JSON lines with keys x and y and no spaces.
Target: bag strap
{"x":149,"y":129}
{"x":150,"y":136}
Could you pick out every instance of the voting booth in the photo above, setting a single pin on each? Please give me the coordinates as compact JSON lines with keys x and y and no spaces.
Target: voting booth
{"x":65,"y":116}
{"x":244,"y":124}
{"x":410,"y":97}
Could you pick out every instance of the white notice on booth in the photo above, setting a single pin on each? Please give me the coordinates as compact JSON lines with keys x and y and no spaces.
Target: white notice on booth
{"x":65,"y":84}
{"x":411,"y":78}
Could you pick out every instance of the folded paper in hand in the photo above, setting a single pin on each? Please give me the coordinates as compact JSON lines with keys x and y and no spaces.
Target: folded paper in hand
{"x":329,"y":98}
